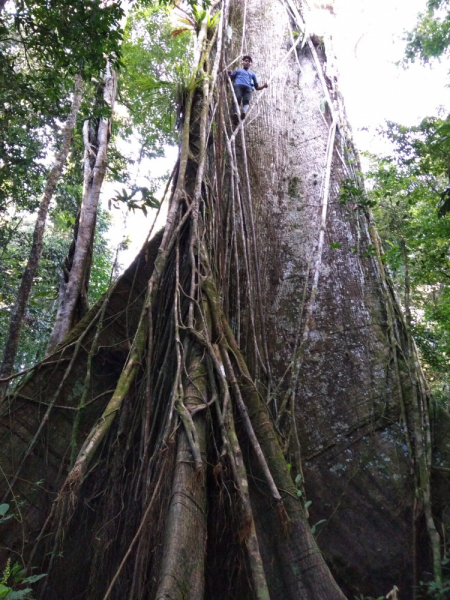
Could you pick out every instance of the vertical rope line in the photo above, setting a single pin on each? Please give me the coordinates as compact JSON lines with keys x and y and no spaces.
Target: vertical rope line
{"x":243,"y":29}
{"x":255,"y":259}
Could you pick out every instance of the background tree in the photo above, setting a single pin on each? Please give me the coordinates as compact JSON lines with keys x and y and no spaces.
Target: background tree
{"x":87,"y":60}
{"x":18,"y":312}
{"x":42,"y":50}
{"x":150,"y":102}
{"x":431,"y":36}
{"x":96,"y":135}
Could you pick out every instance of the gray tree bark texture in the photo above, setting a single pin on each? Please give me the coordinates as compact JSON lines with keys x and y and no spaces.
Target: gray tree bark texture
{"x":15,"y":325}
{"x":344,"y":378}
{"x":303,"y":343}
{"x":356,"y":463}
{"x":95,"y":163}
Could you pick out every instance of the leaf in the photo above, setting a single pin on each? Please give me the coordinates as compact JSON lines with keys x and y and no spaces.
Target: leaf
{"x":176,"y":32}
{"x":4,"y":590}
{"x":371,"y":251}
{"x":187,"y":21}
{"x":3,"y":509}
{"x":34,"y":578}
{"x":20,"y":594}
{"x":299,"y":493}
{"x":298,"y":478}
{"x":335,"y":245}
{"x":16,"y":570}
{"x":308,"y":504}
{"x":313,"y":528}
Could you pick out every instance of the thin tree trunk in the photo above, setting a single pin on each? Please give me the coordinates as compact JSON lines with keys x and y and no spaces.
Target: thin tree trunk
{"x":15,"y":324}
{"x":95,"y":163}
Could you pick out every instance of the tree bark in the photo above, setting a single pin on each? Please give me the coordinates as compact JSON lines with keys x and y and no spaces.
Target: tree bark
{"x":95,"y":162}
{"x":15,"y":324}
{"x":335,"y":356}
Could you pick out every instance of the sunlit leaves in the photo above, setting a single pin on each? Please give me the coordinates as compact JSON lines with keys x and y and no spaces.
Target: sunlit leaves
{"x":138,"y":198}
{"x":69,"y":35}
{"x":148,"y":86}
{"x":407,"y":189}
{"x":353,"y":195}
{"x":431,"y":36}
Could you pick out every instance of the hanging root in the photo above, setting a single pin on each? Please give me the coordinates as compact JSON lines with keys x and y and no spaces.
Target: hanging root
{"x":186,"y":525}
{"x":247,"y":529}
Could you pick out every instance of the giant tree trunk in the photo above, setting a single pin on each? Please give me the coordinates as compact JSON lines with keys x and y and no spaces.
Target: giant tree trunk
{"x":166,"y":446}
{"x":15,"y":324}
{"x":337,"y":354}
{"x":96,"y":135}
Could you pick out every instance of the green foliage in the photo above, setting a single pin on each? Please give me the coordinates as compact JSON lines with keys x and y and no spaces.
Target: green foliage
{"x":129,"y":198}
{"x":197,"y":16}
{"x":13,"y":582}
{"x":42,"y":304}
{"x":42,"y":46}
{"x":155,"y":61}
{"x":193,"y":20}
{"x":431,"y":36}
{"x":68,"y":36}
{"x":407,"y":190}
{"x":353,"y":195}
{"x":423,"y":150}
{"x":434,"y":591}
{"x":4,"y":508}
{"x":314,"y":527}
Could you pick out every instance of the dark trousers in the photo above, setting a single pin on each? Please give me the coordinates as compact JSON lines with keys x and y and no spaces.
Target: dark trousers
{"x":243,"y":94}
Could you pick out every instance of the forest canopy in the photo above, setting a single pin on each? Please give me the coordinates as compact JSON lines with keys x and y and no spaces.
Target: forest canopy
{"x":42,"y":50}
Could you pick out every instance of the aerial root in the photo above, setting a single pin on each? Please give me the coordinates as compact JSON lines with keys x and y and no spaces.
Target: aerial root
{"x":218,"y":472}
{"x":284,"y":518}
{"x":70,"y":490}
{"x":246,"y":528}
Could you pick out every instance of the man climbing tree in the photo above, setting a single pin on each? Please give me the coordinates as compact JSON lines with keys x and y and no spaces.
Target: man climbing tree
{"x":244,"y":82}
